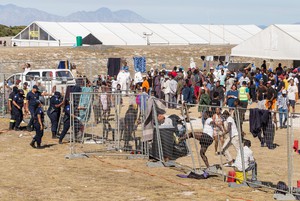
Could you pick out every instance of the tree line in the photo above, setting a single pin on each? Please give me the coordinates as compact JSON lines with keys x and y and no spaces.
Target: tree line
{"x":10,"y":30}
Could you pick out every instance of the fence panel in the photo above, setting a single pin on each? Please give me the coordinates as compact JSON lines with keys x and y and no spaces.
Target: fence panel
{"x":105,"y":122}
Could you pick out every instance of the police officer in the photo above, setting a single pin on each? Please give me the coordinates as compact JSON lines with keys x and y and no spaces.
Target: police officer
{"x":31,"y":98}
{"x":38,"y":121}
{"x":12,"y":120}
{"x":54,"y":112}
{"x":18,"y":103}
{"x":66,"y":121}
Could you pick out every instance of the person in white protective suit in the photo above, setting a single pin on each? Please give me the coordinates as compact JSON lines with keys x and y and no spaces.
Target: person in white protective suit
{"x":124,"y":79}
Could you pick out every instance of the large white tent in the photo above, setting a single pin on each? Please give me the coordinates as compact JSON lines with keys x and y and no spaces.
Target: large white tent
{"x":64,"y":33}
{"x":280,"y":42}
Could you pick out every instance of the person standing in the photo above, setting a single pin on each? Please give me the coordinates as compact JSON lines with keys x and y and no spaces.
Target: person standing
{"x":264,"y":65}
{"x":12,"y":120}
{"x":233,"y":138}
{"x":220,"y":89}
{"x":166,"y":90}
{"x":244,"y":97}
{"x":38,"y":121}
{"x":260,"y":95}
{"x":173,"y":90}
{"x":282,"y":107}
{"x":18,"y":103}
{"x":31,"y":99}
{"x":157,"y":85}
{"x":292,"y":90}
{"x":54,"y":112}
{"x":66,"y":121}
{"x":145,"y":84}
{"x":204,"y":103}
{"x":232,"y":95}
{"x":271,"y":97}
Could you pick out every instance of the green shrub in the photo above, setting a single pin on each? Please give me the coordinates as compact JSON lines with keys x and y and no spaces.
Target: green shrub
{"x":10,"y":31}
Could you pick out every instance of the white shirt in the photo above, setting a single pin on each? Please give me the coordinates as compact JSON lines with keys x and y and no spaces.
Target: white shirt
{"x":244,"y":79}
{"x":166,"y":86}
{"x":292,"y":90}
{"x":208,"y":128}
{"x":296,"y":81}
{"x":173,"y":86}
{"x":114,"y":84}
{"x":138,"y":78}
{"x":234,"y":131}
{"x":248,"y":156}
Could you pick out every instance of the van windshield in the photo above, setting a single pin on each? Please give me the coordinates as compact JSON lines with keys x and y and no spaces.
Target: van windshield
{"x":61,"y":74}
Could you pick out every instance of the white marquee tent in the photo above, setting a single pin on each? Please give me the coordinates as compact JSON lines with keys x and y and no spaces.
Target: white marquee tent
{"x":280,"y":42}
{"x":64,"y":33}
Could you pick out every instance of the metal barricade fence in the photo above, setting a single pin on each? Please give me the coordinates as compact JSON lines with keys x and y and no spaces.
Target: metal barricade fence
{"x":4,"y":94}
{"x":230,"y":158}
{"x":186,"y":136}
{"x":107,"y":123}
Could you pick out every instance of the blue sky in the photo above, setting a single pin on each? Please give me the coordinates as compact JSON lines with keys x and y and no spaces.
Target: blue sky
{"x":260,"y":12}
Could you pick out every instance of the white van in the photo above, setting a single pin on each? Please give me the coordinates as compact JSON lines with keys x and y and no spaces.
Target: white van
{"x":61,"y":78}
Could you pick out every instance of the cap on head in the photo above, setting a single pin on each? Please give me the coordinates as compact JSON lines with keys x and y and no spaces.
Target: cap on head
{"x":35,"y":87}
{"x":284,"y":91}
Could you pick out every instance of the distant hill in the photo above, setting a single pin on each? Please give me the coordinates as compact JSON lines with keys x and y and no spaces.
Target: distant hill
{"x":12,"y":15}
{"x":10,"y":31}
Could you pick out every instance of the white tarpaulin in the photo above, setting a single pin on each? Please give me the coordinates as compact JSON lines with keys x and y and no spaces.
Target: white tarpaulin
{"x":274,"y":42}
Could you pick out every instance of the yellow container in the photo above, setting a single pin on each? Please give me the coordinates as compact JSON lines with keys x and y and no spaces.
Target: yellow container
{"x":239,"y":177}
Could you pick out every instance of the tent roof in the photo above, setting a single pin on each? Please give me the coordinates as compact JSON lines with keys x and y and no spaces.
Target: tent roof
{"x":135,"y":33}
{"x":274,"y":42}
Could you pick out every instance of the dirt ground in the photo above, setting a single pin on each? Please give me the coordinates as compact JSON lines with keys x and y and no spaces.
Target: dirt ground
{"x":31,"y":174}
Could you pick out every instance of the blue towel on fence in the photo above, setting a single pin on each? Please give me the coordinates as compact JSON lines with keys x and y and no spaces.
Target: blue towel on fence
{"x":139,"y":64}
{"x":84,"y":103}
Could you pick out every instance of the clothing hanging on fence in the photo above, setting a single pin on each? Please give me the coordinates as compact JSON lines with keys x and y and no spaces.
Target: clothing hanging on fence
{"x":139,"y":64}
{"x":63,"y":65}
{"x":209,"y":58}
{"x":202,"y":58}
{"x":113,"y":66}
{"x":216,"y":58}
{"x":149,"y":121}
{"x":84,"y":104}
{"x":261,"y":126}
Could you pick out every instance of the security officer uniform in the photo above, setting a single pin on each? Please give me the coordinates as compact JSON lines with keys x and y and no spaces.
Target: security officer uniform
{"x":54,"y":112}
{"x":66,"y":121}
{"x":18,"y":103}
{"x":39,"y":129}
{"x":12,"y":120}
{"x":31,"y":98}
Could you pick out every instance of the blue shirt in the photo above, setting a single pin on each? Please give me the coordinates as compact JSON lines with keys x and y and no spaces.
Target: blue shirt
{"x":54,"y":100}
{"x":32,"y":98}
{"x":230,"y":101}
{"x":67,"y":113}
{"x":19,"y":100}
{"x":38,"y":111}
